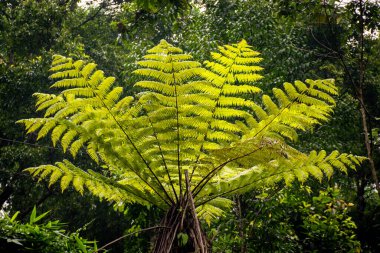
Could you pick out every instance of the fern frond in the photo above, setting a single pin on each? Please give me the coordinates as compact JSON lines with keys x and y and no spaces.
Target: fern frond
{"x":212,"y":210}
{"x":300,"y":107}
{"x":287,"y":165}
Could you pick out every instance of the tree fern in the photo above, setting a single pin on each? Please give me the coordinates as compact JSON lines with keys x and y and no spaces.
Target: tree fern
{"x":191,"y":137}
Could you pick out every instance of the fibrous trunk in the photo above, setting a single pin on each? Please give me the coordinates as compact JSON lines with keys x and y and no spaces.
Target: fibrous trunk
{"x":181,"y":232}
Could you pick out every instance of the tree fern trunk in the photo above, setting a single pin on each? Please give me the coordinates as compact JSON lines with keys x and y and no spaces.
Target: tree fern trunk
{"x":182,"y":222}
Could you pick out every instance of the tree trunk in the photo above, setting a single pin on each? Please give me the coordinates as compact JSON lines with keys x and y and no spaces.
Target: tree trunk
{"x":181,"y":232}
{"x":367,"y":142}
{"x":363,"y":111}
{"x":239,"y":215}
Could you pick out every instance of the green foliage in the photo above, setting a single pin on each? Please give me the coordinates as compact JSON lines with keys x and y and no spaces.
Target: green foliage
{"x":157,"y":5}
{"x":293,"y":219}
{"x":260,"y":223}
{"x":326,"y":224}
{"x":260,"y":22}
{"x":35,"y":236}
{"x":29,"y":27}
{"x":182,"y":238}
{"x":189,"y":118}
{"x":30,"y":31}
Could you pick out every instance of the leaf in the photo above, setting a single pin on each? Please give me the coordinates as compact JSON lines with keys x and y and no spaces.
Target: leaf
{"x":13,"y":240}
{"x":14,"y":217}
{"x":65,"y":181}
{"x":183,"y":238}
{"x":41,"y":216}
{"x":78,"y":184}
{"x":33,"y":215}
{"x":80,"y":244}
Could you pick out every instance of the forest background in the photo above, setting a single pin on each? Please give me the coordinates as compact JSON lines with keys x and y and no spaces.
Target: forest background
{"x":298,"y":40}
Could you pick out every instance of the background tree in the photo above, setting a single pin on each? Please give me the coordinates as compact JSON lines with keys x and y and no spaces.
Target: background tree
{"x":344,"y":34}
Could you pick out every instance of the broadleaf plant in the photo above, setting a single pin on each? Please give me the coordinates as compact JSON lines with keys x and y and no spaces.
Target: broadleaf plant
{"x":193,"y":136}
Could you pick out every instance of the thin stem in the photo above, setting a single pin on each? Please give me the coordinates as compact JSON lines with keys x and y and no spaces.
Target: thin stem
{"x":213,"y":172}
{"x":129,"y":234}
{"x":178,"y":135}
{"x":241,"y":187}
{"x":198,"y":235}
{"x":27,"y":143}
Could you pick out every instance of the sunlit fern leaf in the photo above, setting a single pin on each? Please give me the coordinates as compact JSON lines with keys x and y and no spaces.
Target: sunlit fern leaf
{"x":76,"y":145}
{"x":78,"y":184}
{"x":67,"y":138}
{"x":46,"y":128}
{"x":57,"y":133}
{"x":37,"y":124}
{"x":65,"y":181}
{"x":45,"y":173}
{"x":55,"y":176}
{"x":56,"y":107}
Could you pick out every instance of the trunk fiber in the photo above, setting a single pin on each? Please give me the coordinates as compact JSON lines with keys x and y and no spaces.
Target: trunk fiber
{"x":184,"y":233}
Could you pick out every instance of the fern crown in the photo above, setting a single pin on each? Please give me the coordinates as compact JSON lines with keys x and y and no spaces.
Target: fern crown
{"x":210,"y":120}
